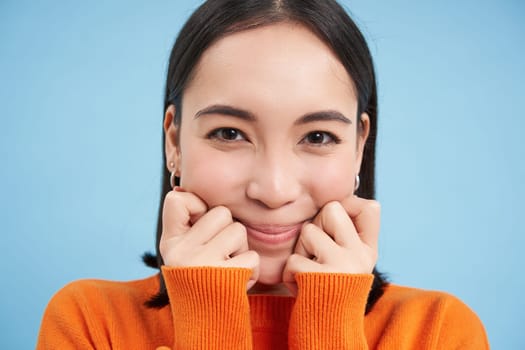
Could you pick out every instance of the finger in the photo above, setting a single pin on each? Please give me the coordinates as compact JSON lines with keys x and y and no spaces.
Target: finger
{"x":297,"y":263}
{"x":231,"y":241}
{"x":209,"y":225}
{"x":250,"y":260}
{"x":313,"y":242}
{"x":366,"y":216}
{"x":196,"y":216}
{"x":178,"y":210}
{"x":300,"y":247}
{"x":335,"y":221}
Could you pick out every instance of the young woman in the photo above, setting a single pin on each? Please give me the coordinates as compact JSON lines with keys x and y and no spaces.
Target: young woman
{"x":268,"y":229}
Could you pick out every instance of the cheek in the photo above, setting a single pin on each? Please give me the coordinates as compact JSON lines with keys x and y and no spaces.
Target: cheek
{"x":332,"y":180}
{"x":215,"y":177}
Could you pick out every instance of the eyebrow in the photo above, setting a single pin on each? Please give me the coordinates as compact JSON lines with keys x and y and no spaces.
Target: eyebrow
{"x":328,"y":115}
{"x":226,"y":110}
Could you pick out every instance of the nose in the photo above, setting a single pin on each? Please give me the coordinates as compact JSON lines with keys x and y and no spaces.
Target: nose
{"x":275,"y":180}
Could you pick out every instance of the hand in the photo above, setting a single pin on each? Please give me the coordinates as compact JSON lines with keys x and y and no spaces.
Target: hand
{"x":342,"y":238}
{"x":194,"y":236}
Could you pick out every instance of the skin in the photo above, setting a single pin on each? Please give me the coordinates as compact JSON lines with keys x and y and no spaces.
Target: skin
{"x":269,"y":168}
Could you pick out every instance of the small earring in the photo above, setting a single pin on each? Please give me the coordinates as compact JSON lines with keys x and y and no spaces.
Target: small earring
{"x":172,"y":174}
{"x":357,"y":183}
{"x":172,"y":179}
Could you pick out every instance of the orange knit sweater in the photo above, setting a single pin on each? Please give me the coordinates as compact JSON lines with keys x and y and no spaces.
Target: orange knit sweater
{"x":209,"y":309}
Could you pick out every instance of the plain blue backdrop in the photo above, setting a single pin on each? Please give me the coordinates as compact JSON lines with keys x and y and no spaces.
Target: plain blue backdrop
{"x":81,"y":121}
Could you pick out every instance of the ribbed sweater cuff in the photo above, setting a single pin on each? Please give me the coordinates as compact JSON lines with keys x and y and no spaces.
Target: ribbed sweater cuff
{"x":209,"y":307}
{"x":329,"y":311}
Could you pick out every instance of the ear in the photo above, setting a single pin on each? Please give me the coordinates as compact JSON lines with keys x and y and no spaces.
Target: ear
{"x":363,"y":130}
{"x":171,"y":146}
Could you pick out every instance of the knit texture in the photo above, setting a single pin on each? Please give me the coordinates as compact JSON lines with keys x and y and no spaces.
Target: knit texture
{"x":210,"y":309}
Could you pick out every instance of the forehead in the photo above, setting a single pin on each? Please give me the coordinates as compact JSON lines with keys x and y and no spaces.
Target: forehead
{"x":274,"y":61}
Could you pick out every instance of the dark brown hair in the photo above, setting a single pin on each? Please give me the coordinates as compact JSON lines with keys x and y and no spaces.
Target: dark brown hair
{"x":329,"y":21}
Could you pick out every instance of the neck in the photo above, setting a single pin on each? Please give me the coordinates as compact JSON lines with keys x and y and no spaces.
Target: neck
{"x":270,"y":289}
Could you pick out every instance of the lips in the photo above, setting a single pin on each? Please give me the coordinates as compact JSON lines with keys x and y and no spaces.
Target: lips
{"x":273,"y":234}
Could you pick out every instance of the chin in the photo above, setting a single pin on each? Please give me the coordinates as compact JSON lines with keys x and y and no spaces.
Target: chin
{"x":271,"y":270}
{"x":270,"y":279}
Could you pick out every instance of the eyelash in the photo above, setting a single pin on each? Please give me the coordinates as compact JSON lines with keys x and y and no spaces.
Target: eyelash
{"x":216,"y":135}
{"x":333,"y":139}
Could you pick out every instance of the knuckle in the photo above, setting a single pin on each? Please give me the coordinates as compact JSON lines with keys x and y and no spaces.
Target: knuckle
{"x":238,"y":227}
{"x":169,"y":196}
{"x":171,"y":201}
{"x":237,"y":232}
{"x":172,"y":196}
{"x":331,"y":206}
{"x":223,"y":211}
{"x":309,"y":227}
{"x":332,"y":212}
{"x":306,"y":228}
{"x":309,"y":232}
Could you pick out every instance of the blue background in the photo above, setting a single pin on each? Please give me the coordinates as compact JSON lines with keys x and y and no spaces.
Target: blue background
{"x":81,"y":110}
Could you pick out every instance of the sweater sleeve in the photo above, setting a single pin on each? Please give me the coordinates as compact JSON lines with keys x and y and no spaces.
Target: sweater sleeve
{"x":209,"y":306}
{"x":329,"y":311}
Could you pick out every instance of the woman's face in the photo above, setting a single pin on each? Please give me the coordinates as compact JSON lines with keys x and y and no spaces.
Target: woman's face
{"x":268,"y":130}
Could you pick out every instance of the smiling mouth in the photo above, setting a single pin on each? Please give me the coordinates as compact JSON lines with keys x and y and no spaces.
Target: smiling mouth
{"x":273,"y":234}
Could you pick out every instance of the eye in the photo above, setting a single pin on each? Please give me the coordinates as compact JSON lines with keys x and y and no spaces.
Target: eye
{"x":226,"y":134}
{"x":320,"y":138}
